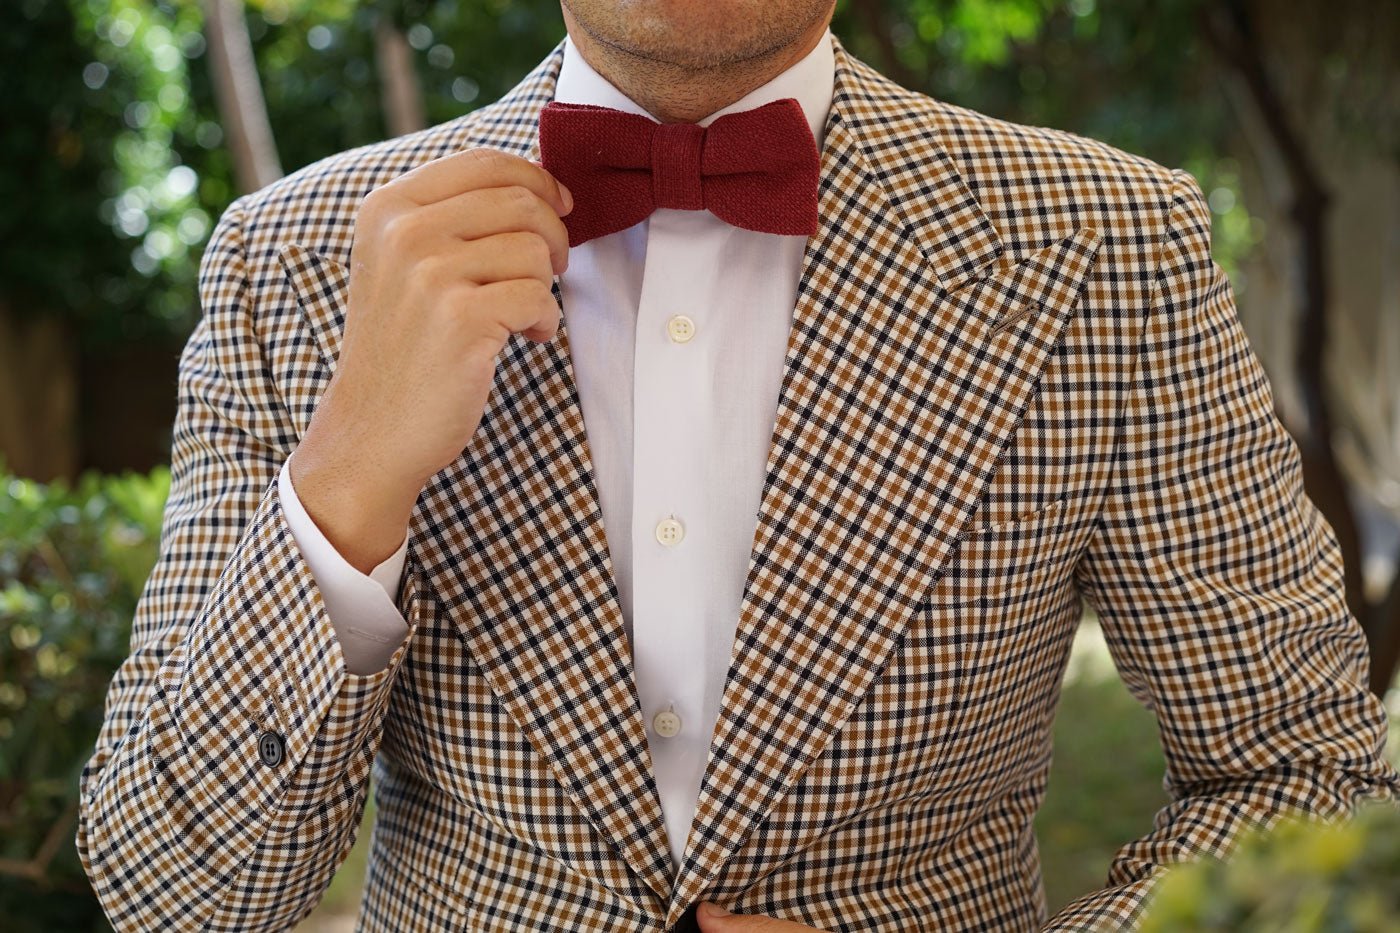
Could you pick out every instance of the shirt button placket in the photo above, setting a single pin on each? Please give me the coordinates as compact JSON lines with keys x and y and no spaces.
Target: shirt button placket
{"x":673,"y":439}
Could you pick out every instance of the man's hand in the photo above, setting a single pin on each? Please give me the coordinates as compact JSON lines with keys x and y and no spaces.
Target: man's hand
{"x":447,"y":261}
{"x":715,"y":919}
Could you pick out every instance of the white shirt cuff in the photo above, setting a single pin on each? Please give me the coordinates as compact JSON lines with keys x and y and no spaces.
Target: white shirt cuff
{"x":361,"y":608}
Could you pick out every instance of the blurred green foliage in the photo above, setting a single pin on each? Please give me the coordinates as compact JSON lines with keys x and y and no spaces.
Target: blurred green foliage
{"x":73,"y":562}
{"x":115,"y":159}
{"x":69,"y":161}
{"x":1301,"y":876}
{"x":316,"y":61}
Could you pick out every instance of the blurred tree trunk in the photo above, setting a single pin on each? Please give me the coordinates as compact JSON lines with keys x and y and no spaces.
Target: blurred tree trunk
{"x":400,"y":93}
{"x":242,"y":109}
{"x":1277,"y":101}
{"x":38,"y":396}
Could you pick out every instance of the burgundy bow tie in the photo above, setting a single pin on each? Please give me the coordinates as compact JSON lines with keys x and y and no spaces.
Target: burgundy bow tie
{"x":755,"y":169}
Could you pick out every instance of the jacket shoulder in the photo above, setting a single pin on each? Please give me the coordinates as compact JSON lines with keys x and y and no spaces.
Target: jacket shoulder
{"x":977,"y":137}
{"x":315,"y":206}
{"x":1038,"y":184}
{"x":1035,"y":184}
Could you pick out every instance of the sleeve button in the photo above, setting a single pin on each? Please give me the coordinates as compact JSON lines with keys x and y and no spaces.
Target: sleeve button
{"x":271,"y":748}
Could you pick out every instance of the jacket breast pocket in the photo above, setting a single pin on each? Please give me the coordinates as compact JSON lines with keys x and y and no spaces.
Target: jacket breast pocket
{"x":1001,"y":522}
{"x":1007,"y":605}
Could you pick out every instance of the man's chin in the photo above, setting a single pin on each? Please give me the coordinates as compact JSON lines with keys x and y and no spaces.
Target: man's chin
{"x":695,"y":36}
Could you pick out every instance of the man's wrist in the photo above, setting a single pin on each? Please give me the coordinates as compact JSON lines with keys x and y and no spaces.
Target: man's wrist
{"x":361,"y":515}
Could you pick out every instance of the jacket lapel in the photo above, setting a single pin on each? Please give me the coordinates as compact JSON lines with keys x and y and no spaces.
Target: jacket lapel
{"x":914,"y":350}
{"x":511,"y":536}
{"x":530,"y":583}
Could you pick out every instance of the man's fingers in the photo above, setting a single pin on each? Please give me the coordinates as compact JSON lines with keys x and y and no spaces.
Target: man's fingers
{"x":521,"y":306}
{"x":564,"y":192}
{"x":478,"y":167}
{"x":502,"y":257}
{"x":745,"y":923}
{"x":474,"y":215}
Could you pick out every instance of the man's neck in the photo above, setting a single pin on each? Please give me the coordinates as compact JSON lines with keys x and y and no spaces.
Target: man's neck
{"x":676,"y":94}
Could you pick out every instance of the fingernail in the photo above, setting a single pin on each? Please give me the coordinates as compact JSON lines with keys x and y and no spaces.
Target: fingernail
{"x":568,"y":198}
{"x":711,"y":909}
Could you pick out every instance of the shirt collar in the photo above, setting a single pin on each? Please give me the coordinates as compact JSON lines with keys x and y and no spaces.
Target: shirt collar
{"x":811,"y":80}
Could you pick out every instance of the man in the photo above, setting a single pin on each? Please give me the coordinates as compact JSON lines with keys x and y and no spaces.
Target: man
{"x":961,"y":373}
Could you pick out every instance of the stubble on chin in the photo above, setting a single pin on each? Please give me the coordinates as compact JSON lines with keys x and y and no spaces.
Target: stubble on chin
{"x":700,"y":40}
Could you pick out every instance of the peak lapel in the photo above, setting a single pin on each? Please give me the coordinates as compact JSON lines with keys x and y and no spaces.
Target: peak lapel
{"x":914,"y":351}
{"x":525,"y":574}
{"x":537,"y":601}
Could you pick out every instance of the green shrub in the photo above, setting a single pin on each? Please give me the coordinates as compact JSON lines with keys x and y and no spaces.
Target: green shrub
{"x":72,"y":565}
{"x":1301,"y":876}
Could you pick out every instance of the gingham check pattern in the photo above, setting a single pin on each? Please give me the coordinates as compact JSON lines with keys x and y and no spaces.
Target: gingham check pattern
{"x":1014,"y":376}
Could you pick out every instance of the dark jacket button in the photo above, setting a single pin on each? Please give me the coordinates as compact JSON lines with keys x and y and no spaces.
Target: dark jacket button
{"x":688,"y":922}
{"x":271,"y":748}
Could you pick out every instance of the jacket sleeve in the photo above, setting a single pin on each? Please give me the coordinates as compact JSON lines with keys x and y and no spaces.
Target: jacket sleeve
{"x":1218,"y":584}
{"x":183,"y":823}
{"x":361,"y":606}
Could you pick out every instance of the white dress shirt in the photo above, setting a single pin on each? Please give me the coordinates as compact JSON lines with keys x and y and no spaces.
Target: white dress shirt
{"x":678,"y":328}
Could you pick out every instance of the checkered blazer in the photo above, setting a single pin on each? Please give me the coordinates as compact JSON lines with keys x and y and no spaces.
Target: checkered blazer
{"x":1015,"y":378}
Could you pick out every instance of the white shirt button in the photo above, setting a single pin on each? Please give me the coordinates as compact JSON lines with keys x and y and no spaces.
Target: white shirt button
{"x":669,"y":531}
{"x":681,"y":328}
{"x":667,"y":724}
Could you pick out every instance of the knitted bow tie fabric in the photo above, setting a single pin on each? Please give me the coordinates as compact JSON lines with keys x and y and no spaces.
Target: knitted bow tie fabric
{"x":756,"y":169}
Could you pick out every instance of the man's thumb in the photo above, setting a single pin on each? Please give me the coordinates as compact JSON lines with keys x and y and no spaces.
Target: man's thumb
{"x":714,"y":918}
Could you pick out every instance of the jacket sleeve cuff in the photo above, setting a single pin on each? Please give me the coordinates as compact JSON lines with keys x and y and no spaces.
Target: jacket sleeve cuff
{"x":1116,"y":908}
{"x":360,"y":607}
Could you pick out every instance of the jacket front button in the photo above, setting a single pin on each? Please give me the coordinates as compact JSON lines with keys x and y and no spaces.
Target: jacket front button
{"x":271,"y":747}
{"x":688,"y":922}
